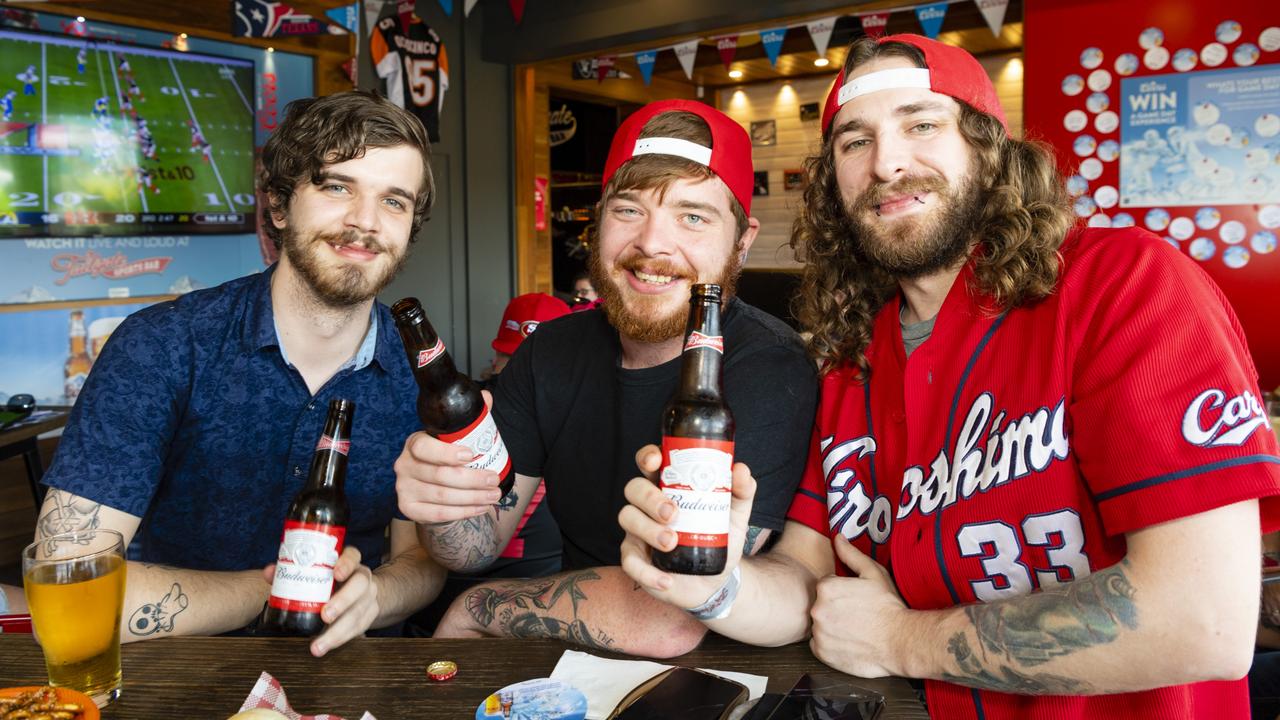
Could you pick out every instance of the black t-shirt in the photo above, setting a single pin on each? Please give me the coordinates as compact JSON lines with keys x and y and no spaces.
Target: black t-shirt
{"x":570,"y":414}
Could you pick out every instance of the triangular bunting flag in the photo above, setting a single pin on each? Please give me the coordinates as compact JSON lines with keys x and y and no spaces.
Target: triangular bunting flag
{"x":645,"y":61}
{"x":404,"y":8}
{"x":772,"y":40}
{"x":603,"y":66}
{"x":466,"y":9}
{"x":993,"y":12}
{"x":874,"y":24}
{"x":448,"y":6}
{"x":517,"y":9}
{"x":348,"y":16}
{"x":930,"y":17}
{"x":820,"y":32}
{"x":372,"y":9}
{"x":727,"y":45}
{"x":686,"y":53}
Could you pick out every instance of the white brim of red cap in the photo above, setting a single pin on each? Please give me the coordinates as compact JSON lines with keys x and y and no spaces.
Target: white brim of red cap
{"x":894,"y":79}
{"x":673,"y":146}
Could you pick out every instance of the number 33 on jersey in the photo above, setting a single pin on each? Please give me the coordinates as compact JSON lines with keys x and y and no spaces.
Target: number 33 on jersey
{"x":415,"y":66}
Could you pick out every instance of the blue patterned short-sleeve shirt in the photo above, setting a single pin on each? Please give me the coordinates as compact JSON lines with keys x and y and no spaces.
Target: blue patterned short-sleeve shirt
{"x":193,"y":420}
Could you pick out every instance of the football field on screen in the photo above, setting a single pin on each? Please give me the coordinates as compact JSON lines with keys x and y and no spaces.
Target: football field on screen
{"x":62,"y":156}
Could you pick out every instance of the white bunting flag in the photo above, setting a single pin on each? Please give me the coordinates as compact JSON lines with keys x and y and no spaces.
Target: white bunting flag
{"x":686,"y":53}
{"x":820,"y":31}
{"x":466,"y":9}
{"x":993,"y":13}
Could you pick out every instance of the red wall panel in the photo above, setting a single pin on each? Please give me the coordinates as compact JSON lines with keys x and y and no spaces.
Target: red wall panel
{"x":1057,"y":35}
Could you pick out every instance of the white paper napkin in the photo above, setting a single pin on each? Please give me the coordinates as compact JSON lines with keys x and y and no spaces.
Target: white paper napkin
{"x":605,"y":682}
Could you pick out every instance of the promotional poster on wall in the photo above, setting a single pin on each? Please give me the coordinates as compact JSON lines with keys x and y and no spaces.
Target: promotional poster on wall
{"x":42,"y":270}
{"x":1200,"y":138}
{"x":56,"y":349}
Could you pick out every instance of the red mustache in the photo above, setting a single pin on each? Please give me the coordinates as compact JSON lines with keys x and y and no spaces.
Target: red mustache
{"x":654,"y":267}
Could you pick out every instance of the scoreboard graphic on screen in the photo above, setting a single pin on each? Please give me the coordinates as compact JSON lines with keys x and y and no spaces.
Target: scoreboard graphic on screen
{"x":104,"y":139}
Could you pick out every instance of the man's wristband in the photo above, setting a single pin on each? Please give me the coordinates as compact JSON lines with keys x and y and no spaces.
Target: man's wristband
{"x":721,"y":601}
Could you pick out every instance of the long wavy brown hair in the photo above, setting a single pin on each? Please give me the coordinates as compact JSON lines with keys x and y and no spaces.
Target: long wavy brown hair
{"x":1024,"y":217}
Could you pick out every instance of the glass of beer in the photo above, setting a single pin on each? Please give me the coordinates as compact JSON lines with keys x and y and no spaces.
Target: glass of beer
{"x":75,"y":590}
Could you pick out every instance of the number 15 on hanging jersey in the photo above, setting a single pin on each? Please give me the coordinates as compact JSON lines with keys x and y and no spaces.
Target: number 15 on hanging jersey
{"x":415,"y":66}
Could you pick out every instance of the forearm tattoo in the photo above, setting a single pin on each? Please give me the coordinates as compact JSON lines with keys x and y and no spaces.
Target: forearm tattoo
{"x":465,"y":545}
{"x":1037,"y":628}
{"x":508,"y":501}
{"x":523,"y":610}
{"x":753,"y":537}
{"x":67,"y":513}
{"x":158,"y":617}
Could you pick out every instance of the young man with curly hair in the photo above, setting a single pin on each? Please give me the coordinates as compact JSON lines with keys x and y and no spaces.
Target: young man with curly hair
{"x":1039,"y":454}
{"x":196,"y":427}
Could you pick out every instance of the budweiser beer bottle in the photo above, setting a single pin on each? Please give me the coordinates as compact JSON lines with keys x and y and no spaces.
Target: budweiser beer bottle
{"x":449,"y":403}
{"x":313,"y":535}
{"x":77,"y":366}
{"x":697,"y":447}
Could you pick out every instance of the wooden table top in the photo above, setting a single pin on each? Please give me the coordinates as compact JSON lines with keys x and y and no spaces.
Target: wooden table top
{"x":210,"y":677}
{"x":42,"y":421}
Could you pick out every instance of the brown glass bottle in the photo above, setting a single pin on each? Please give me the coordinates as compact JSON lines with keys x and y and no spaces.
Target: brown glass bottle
{"x":697,"y":447}
{"x":314,"y":531}
{"x":449,"y":403}
{"x":76,"y":369}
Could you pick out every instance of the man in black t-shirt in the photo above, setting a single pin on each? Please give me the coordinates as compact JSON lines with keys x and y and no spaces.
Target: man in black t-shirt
{"x":583,"y":394}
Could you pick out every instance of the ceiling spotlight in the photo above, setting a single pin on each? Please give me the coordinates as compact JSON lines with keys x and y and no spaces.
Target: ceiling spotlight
{"x":821,"y":62}
{"x":79,"y":18}
{"x":182,"y":35}
{"x":271,"y":49}
{"x":735,"y":74}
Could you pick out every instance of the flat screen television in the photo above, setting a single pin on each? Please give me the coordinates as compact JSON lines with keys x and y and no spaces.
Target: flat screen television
{"x":104,"y":139}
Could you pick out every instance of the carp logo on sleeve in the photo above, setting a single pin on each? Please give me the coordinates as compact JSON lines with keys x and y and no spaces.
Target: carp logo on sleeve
{"x":850,"y":510}
{"x":1211,"y":420}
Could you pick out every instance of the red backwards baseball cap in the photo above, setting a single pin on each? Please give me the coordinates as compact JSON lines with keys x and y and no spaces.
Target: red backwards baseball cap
{"x":951,"y":71}
{"x":729,"y":157}
{"x":522,"y":316}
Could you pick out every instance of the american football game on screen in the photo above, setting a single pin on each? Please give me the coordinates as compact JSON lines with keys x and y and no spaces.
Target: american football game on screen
{"x":104,"y":139}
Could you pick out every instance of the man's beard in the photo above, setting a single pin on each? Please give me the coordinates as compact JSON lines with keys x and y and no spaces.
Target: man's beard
{"x":640,"y":320}
{"x":344,"y":285}
{"x":912,"y":247}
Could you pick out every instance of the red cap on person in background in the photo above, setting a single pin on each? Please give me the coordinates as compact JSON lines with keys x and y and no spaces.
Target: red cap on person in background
{"x":950,"y":71}
{"x":729,"y":156}
{"x":522,"y":316}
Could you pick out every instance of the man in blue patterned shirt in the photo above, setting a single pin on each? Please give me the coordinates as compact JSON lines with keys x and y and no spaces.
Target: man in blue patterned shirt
{"x":196,"y":426}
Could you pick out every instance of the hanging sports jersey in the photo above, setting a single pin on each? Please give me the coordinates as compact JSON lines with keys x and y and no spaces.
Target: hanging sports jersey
{"x":415,"y":67}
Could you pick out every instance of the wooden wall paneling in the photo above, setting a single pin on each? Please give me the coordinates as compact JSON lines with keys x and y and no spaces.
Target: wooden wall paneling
{"x":533,"y":159}
{"x":796,"y":140}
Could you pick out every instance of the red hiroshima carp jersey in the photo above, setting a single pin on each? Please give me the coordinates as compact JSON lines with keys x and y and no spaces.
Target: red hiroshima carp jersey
{"x":416,"y":69}
{"x":1014,"y":451}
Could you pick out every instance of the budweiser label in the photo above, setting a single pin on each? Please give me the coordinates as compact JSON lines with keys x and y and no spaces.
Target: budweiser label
{"x":426,"y":356}
{"x":697,"y":340}
{"x":482,"y":437}
{"x":697,"y":475}
{"x":328,"y":443}
{"x":304,"y":568}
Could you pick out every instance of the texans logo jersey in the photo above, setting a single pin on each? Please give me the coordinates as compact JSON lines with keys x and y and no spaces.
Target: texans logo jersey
{"x":416,"y":69}
{"x":1013,"y":451}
